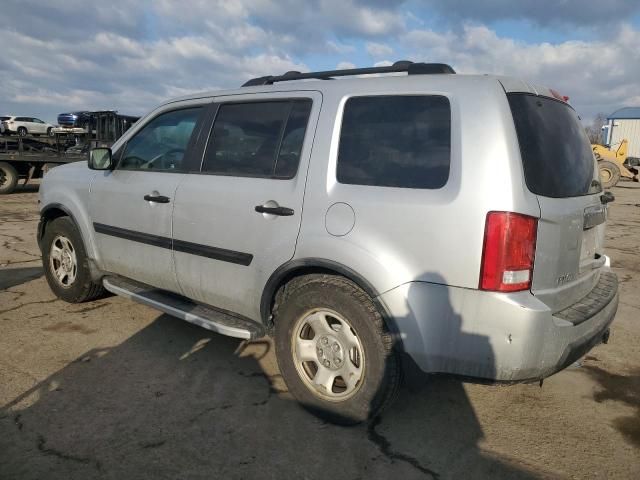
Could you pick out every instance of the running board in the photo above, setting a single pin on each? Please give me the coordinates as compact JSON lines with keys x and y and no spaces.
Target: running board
{"x":178,"y":306}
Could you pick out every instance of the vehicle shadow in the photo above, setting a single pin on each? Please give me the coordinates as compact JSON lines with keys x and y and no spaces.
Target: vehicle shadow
{"x":10,"y":277}
{"x":176,"y":401}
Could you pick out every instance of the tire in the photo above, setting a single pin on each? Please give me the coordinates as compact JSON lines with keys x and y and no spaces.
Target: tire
{"x":373,"y":365}
{"x":22,"y":132}
{"x":50,"y":132}
{"x":78,"y":286}
{"x":609,"y":173}
{"x":8,"y":178}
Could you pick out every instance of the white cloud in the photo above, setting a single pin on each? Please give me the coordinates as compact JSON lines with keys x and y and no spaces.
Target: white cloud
{"x":73,"y":54}
{"x":378,"y":50}
{"x":597,"y":75}
{"x":340,"y":48}
{"x":345,"y":66}
{"x":541,"y":12}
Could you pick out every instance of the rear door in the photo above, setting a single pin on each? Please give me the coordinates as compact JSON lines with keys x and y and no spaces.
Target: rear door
{"x":38,"y":126}
{"x":560,"y":169}
{"x":238,"y":220}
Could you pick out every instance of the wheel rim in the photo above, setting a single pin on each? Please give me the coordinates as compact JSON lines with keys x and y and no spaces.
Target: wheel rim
{"x":328,"y":355}
{"x":63,"y":261}
{"x":606,"y":175}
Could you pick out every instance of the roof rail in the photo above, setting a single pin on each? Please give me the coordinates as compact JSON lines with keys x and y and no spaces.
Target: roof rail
{"x":401,"y":66}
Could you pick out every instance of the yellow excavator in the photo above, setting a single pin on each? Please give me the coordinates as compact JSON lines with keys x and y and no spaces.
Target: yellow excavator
{"x":613,"y":164}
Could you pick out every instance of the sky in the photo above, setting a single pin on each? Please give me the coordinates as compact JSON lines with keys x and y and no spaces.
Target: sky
{"x":58,"y":56}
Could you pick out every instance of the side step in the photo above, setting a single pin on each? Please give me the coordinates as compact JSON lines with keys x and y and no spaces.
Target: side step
{"x":207,"y":317}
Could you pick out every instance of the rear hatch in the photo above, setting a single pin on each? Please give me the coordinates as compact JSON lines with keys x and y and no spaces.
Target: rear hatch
{"x":560,"y":169}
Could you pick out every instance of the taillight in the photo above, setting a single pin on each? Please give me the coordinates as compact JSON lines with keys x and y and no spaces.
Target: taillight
{"x":508,"y":252}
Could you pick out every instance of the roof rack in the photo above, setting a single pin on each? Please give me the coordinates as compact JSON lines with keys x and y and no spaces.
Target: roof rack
{"x":411,"y":68}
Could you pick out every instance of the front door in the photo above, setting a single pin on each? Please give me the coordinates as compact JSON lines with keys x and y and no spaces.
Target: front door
{"x":131,"y":206}
{"x":238,"y":220}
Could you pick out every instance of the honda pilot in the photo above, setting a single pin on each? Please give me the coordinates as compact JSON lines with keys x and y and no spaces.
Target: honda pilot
{"x":457,"y":220}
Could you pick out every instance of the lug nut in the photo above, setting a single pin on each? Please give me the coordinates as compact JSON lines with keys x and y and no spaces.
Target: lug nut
{"x":336,"y":347}
{"x":325,"y":341}
{"x":327,"y":363}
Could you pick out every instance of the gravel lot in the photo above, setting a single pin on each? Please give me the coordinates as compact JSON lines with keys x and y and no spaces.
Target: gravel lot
{"x":112,"y":389}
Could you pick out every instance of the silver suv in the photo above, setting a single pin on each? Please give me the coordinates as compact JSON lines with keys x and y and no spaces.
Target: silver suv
{"x":457,"y":219}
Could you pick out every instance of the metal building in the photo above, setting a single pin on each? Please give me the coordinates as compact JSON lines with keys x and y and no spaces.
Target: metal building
{"x":621,"y":124}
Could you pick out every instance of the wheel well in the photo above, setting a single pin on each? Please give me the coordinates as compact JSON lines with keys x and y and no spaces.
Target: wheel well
{"x":48,"y":216}
{"x":295,"y":269}
{"x":287,"y":277}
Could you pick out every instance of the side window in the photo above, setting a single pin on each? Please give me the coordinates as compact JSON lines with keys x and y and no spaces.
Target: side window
{"x":395,"y":141}
{"x":161,"y":144}
{"x":292,"y":140}
{"x":22,"y":119}
{"x":36,"y":120}
{"x":258,"y":139}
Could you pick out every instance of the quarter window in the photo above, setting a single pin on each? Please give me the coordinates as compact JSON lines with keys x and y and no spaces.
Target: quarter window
{"x":258,"y":139}
{"x":162,"y":143}
{"x":395,"y":141}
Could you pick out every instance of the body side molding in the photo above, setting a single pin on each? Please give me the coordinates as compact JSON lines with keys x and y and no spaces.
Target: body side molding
{"x":215,"y":253}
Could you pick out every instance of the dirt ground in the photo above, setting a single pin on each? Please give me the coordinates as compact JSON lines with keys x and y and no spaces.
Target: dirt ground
{"x":112,"y":389}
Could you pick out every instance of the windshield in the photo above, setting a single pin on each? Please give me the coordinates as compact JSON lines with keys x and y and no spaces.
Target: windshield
{"x":556,"y":154}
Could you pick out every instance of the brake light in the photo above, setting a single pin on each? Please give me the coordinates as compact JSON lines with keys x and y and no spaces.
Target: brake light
{"x":508,"y":252}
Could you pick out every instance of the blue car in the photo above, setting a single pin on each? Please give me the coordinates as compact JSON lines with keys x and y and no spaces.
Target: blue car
{"x":77,"y":119}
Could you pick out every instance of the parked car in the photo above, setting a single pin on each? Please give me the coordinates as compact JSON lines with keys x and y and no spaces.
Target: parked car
{"x":24,"y":126}
{"x":353,"y":221}
{"x":83,"y":119}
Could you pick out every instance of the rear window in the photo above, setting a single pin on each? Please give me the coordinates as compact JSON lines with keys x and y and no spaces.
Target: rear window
{"x":556,"y":155}
{"x":2,"y":119}
{"x":395,"y":141}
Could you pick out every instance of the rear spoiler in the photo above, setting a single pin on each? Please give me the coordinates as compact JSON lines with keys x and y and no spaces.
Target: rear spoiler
{"x":514,"y":85}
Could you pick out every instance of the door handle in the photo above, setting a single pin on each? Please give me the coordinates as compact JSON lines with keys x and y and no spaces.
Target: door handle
{"x":157,"y":198}
{"x":281,"y":211}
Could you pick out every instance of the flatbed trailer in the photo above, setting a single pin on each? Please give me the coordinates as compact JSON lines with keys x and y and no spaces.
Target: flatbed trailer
{"x":26,"y":158}
{"x":30,"y":157}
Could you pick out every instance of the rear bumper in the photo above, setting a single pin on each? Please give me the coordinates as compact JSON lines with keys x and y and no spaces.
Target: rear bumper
{"x":490,"y":336}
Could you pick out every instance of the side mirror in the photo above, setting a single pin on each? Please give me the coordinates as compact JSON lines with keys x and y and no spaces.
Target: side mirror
{"x":100,"y":159}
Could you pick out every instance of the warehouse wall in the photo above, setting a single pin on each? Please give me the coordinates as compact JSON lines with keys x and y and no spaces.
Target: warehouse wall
{"x":629,"y":129}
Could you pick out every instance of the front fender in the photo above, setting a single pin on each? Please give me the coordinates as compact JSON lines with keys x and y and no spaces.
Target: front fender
{"x":67,"y":189}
